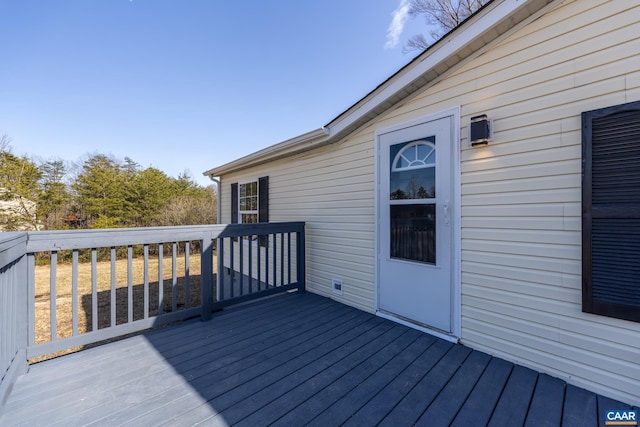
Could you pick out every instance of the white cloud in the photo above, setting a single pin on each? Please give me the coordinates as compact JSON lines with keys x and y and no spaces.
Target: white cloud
{"x":399,"y":18}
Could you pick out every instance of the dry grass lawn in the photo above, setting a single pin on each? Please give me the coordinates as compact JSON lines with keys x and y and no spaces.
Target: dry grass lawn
{"x":64,"y":298}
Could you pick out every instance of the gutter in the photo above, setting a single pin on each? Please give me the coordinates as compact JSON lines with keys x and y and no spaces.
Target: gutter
{"x":216,"y":182}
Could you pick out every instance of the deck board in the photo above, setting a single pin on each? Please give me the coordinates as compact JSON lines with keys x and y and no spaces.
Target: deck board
{"x":387,"y":398}
{"x":580,"y":407}
{"x":451,"y":398}
{"x":546,"y":404}
{"x":295,"y":359}
{"x":359,"y":395}
{"x":483,"y":399}
{"x":414,"y":403}
{"x":516,"y":397}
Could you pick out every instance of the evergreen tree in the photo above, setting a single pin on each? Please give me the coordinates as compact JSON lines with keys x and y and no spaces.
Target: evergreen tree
{"x":54,"y":197}
{"x":101,"y":192}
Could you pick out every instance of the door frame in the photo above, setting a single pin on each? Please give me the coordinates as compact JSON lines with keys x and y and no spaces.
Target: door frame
{"x":455,"y":218}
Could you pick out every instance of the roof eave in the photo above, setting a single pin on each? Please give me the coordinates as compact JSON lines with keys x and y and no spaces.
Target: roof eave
{"x":286,"y":148}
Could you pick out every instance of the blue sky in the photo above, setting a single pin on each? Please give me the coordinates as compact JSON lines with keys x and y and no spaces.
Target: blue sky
{"x":187,"y":84}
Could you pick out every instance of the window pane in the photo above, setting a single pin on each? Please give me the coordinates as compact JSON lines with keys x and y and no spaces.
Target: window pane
{"x":426,"y":153}
{"x":413,"y":184}
{"x":249,"y":218}
{"x":252,"y":203}
{"x":432,"y":158}
{"x":402,"y":163}
{"x":413,"y":232}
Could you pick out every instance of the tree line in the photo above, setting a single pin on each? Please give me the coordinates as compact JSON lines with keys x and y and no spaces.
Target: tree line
{"x":99,"y":192}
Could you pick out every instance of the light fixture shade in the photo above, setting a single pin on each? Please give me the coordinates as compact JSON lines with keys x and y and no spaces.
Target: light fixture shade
{"x":480,"y":132}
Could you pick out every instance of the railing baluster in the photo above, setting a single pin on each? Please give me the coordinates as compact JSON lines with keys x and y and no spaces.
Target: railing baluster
{"x":94,"y":289}
{"x":241,"y":244}
{"x":250,"y":264}
{"x":301,"y":260}
{"x":52,"y":295}
{"x":74,"y":292}
{"x":219,"y":272}
{"x":113,"y":286}
{"x":288,"y":258}
{"x":282,"y":282}
{"x":259,"y":263}
{"x":8,"y":311}
{"x":31,"y":297}
{"x":275,"y":260}
{"x":266,"y":262}
{"x":129,"y":284}
{"x":160,"y":278}
{"x":220,"y":275}
{"x":232,"y":269}
{"x":174,"y":277}
{"x":187,"y":269}
{"x":146,"y":281}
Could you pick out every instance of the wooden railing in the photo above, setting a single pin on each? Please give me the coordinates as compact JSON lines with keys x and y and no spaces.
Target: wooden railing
{"x":13,"y":313}
{"x":66,"y":289}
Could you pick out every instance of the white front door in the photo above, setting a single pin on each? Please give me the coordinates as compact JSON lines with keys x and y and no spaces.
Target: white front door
{"x":415,"y":231}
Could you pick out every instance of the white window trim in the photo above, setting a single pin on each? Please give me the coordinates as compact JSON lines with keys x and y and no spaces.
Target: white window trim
{"x":252,"y":211}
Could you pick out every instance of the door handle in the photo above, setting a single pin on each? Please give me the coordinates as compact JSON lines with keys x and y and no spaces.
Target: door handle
{"x":445,"y":208}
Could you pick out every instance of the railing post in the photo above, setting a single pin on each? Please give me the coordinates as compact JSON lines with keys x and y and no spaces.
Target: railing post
{"x":206,"y":279}
{"x":300,"y":246}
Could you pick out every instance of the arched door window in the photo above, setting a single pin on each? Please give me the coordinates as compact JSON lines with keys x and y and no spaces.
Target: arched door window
{"x":413,"y":168}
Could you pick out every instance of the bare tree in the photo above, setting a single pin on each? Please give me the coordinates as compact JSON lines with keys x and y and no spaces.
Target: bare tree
{"x":5,"y":142}
{"x":442,"y":15}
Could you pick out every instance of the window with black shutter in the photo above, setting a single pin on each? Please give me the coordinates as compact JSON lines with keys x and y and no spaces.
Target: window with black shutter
{"x":611,"y":211}
{"x":250,"y":201}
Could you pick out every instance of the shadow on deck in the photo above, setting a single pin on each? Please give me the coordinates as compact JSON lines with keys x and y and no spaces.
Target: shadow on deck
{"x":293,"y":360}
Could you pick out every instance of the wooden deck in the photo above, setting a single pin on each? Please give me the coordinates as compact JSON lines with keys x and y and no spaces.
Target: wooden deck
{"x":293,"y":360}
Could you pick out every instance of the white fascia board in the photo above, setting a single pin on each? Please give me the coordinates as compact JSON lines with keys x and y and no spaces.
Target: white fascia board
{"x":304,"y":142}
{"x":480,"y":25}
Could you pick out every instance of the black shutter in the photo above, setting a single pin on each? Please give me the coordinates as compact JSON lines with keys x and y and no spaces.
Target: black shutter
{"x":611,"y":211}
{"x":263,"y":199}
{"x":234,"y":203}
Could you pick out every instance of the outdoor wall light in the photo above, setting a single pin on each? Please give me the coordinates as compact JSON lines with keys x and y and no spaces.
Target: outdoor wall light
{"x":480,"y":130}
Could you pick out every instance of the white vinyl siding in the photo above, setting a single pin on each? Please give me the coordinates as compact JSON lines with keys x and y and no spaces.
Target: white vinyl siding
{"x":520,"y":195}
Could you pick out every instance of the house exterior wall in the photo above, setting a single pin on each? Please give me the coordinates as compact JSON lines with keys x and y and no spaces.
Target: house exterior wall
{"x":520,"y":195}
{"x":331,"y":189}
